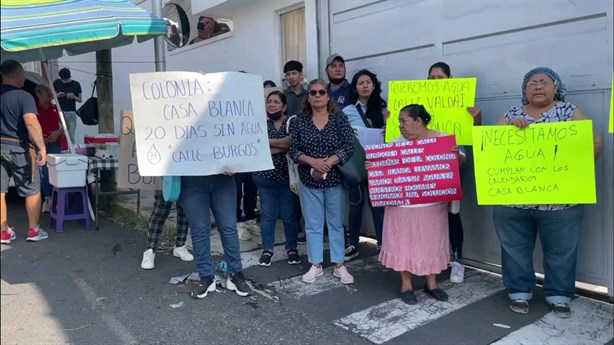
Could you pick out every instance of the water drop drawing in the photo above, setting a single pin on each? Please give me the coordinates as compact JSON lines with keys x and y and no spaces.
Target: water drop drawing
{"x":153,"y":155}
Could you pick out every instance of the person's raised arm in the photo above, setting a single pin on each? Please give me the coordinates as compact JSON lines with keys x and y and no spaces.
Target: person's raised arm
{"x":597,"y":143}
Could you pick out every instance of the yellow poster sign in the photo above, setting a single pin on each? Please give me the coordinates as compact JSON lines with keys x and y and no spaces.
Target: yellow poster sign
{"x":550,"y":163}
{"x":445,"y":99}
{"x":612,"y":107}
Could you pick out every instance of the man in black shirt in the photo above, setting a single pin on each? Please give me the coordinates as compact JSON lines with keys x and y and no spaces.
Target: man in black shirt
{"x":69,"y":93}
{"x":18,"y":160}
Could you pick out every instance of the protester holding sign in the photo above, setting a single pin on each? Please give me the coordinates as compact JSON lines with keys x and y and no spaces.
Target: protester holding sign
{"x":322,"y":139}
{"x":276,"y":198}
{"x":441,"y":70}
{"x":415,"y":237}
{"x":558,"y":225}
{"x":367,"y":110}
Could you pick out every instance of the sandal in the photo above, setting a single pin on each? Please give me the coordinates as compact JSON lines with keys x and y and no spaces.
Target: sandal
{"x":437,"y":294}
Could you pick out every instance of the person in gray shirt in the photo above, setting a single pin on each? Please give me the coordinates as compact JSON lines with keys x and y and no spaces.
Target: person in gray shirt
{"x":295,"y":93}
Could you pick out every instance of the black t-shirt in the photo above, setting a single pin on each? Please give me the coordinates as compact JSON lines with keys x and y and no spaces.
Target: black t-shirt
{"x":74,"y":87}
{"x":14,"y":104}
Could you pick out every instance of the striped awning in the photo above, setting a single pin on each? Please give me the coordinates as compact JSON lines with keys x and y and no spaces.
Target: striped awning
{"x":32,"y":30}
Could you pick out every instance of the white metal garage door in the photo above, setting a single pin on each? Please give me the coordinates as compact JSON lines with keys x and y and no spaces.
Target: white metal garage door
{"x":497,"y":42}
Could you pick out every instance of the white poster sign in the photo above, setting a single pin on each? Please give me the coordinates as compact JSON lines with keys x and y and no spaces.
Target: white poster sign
{"x":190,"y":124}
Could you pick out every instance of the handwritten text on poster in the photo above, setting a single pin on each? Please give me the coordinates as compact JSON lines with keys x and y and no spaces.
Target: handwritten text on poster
{"x":550,"y":163}
{"x":189,"y":124}
{"x":445,"y":99}
{"x":414,"y":172}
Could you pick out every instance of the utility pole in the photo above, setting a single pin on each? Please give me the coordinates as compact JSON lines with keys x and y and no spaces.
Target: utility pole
{"x":160,"y":55}
{"x":104,"y":86}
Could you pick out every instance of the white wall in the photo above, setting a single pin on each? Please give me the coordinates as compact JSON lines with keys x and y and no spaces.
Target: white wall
{"x":497,"y":42}
{"x":254,"y":45}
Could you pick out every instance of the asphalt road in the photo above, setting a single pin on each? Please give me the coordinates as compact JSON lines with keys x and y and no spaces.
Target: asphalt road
{"x":87,"y":287}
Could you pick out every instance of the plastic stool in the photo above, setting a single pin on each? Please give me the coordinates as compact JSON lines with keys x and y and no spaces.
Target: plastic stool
{"x":60,"y":209}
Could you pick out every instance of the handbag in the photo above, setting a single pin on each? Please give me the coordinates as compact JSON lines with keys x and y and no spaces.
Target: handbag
{"x":353,"y":170}
{"x":292,"y":167}
{"x":171,"y":188}
{"x":88,"y":112}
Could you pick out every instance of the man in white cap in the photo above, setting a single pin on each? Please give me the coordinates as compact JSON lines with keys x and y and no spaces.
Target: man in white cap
{"x":338,"y":86}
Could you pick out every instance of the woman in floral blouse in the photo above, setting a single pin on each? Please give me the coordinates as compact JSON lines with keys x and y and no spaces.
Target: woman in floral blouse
{"x":276,"y":199}
{"x":321,"y":140}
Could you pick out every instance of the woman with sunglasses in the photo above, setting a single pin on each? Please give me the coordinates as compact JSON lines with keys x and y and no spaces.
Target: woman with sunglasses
{"x":321,"y":140}
{"x":367,"y":109}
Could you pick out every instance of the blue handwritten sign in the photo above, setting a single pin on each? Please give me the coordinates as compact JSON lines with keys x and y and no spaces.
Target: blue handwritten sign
{"x":190,"y":124}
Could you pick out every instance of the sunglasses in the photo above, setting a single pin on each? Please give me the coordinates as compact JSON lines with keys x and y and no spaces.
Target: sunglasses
{"x":200,"y":26}
{"x":318,"y":92}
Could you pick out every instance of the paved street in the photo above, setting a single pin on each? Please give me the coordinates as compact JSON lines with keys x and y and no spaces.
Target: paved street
{"x":87,"y":287}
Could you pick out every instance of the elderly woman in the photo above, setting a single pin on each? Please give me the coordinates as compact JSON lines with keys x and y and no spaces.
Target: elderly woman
{"x":558,"y":226}
{"x":276,"y":198}
{"x":55,"y":141}
{"x":441,"y":70}
{"x":415,"y":237}
{"x":367,"y":110}
{"x":321,"y":140}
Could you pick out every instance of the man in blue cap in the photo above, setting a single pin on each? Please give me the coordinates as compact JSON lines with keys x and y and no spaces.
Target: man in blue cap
{"x":338,"y":86}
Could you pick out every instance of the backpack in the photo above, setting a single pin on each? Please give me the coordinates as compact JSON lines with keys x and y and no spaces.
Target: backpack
{"x":88,"y":112}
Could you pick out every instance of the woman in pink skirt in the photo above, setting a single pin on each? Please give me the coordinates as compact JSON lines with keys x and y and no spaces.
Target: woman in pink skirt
{"x":415,"y":237}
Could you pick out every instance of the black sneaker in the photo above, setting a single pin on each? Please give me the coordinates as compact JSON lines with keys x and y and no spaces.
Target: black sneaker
{"x":351,"y":252}
{"x":437,"y":294}
{"x":236,"y":282}
{"x":207,"y":284}
{"x":293,"y":257}
{"x":409,"y":297}
{"x":302,"y":239}
{"x":265,"y":258}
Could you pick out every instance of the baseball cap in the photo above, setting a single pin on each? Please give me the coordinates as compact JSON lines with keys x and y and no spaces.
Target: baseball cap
{"x":332,"y":58}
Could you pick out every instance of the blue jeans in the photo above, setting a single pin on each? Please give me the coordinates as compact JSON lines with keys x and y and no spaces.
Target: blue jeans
{"x":559,"y":233}
{"x":46,"y":187}
{"x":277,"y":201}
{"x":317,"y":203}
{"x":357,"y":197}
{"x":198,"y":195}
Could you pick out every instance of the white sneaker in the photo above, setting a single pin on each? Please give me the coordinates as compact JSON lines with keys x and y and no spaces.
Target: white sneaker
{"x":148,"y":259}
{"x":343,"y":274}
{"x":183,"y":253}
{"x":312,"y":274}
{"x":46,"y":205}
{"x":36,"y":235}
{"x":458,"y":273}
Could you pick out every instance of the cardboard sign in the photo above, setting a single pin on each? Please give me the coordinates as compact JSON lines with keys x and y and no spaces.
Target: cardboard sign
{"x":128,"y":172}
{"x":550,"y":163}
{"x":445,"y":99}
{"x":414,"y":172}
{"x":190,"y":124}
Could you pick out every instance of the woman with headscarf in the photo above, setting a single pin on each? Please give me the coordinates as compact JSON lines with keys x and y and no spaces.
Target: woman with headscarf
{"x":558,"y":226}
